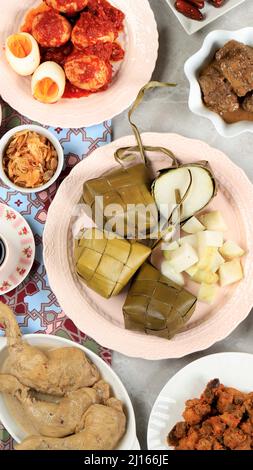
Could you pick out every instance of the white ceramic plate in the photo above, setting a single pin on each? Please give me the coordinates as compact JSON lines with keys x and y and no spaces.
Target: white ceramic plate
{"x":103,"y":319}
{"x":20,"y":245}
{"x":211,"y":14}
{"x":136,"y":70}
{"x":50,"y":342}
{"x":232,"y":369}
{"x":212,"y":42}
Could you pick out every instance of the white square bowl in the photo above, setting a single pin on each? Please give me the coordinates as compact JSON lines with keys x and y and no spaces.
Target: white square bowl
{"x":211,"y":14}
{"x":214,"y":41}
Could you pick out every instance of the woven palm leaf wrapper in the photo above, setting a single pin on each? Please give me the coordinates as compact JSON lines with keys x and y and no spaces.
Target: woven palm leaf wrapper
{"x":127,"y":186}
{"x":157,"y":306}
{"x":107,"y":264}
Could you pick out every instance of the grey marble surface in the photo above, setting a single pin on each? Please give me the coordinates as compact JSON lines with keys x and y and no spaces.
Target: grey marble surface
{"x":168,"y":112}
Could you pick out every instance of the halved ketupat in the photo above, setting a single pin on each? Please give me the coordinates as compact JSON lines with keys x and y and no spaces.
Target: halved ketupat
{"x":231,"y":250}
{"x":194,"y":182}
{"x":193,"y":226}
{"x":207,"y":293}
{"x":214,"y":221}
{"x":230,"y":272}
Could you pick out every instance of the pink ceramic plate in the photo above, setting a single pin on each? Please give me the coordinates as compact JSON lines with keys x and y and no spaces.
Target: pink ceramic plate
{"x":140,"y":43}
{"x":19,"y":245}
{"x":102,"y":319}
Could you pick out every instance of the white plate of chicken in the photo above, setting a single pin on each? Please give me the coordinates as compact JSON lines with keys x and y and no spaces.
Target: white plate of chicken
{"x":57,"y":395}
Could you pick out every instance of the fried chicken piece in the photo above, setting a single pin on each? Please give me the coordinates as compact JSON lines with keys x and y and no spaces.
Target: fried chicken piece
{"x":236,"y":63}
{"x":232,"y":419}
{"x":103,"y":427}
{"x":248,"y":403}
{"x":55,"y":419}
{"x":178,"y":432}
{"x":195,"y":411}
{"x":227,"y":397}
{"x":247,"y":427}
{"x":235,"y":439}
{"x":214,"y":425}
{"x":54,"y":372}
{"x":190,"y":441}
{"x":218,"y":446}
{"x":210,"y":391}
{"x":205,"y":443}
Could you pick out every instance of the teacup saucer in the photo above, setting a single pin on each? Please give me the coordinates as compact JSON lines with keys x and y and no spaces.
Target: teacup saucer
{"x":20,"y":249}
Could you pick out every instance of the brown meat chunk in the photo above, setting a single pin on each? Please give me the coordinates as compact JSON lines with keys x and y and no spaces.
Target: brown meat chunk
{"x":247,"y":103}
{"x":236,"y":62}
{"x":217,"y":92}
{"x":195,"y":411}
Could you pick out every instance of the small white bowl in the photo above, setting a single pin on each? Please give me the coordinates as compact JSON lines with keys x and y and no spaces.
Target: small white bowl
{"x":214,"y":41}
{"x":42,"y":131}
{"x":128,"y":442}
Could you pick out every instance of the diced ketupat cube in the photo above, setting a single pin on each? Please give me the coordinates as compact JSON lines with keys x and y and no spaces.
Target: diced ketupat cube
{"x":231,"y":250}
{"x":192,"y":270}
{"x":207,"y":293}
{"x":206,"y":277}
{"x":190,"y":240}
{"x":218,"y":260}
{"x":208,"y":257}
{"x":168,"y":248}
{"x":214,"y":221}
{"x":193,"y":225}
{"x":183,"y":258}
{"x":209,"y":238}
{"x":169,"y":272}
{"x":230,"y":273}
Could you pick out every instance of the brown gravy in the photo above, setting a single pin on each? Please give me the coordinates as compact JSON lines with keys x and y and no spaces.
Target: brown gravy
{"x":237,"y":116}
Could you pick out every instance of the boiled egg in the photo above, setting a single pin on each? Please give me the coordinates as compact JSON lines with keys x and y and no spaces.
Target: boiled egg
{"x":48,"y":82}
{"x":22,"y":52}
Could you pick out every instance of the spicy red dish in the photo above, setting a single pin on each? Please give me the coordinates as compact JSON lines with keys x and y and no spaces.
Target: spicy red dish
{"x":82,"y":37}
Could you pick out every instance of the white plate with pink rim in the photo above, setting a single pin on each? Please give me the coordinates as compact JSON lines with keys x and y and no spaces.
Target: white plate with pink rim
{"x":103,"y":319}
{"x":17,"y":249}
{"x":140,"y":44}
{"x":232,"y":370}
